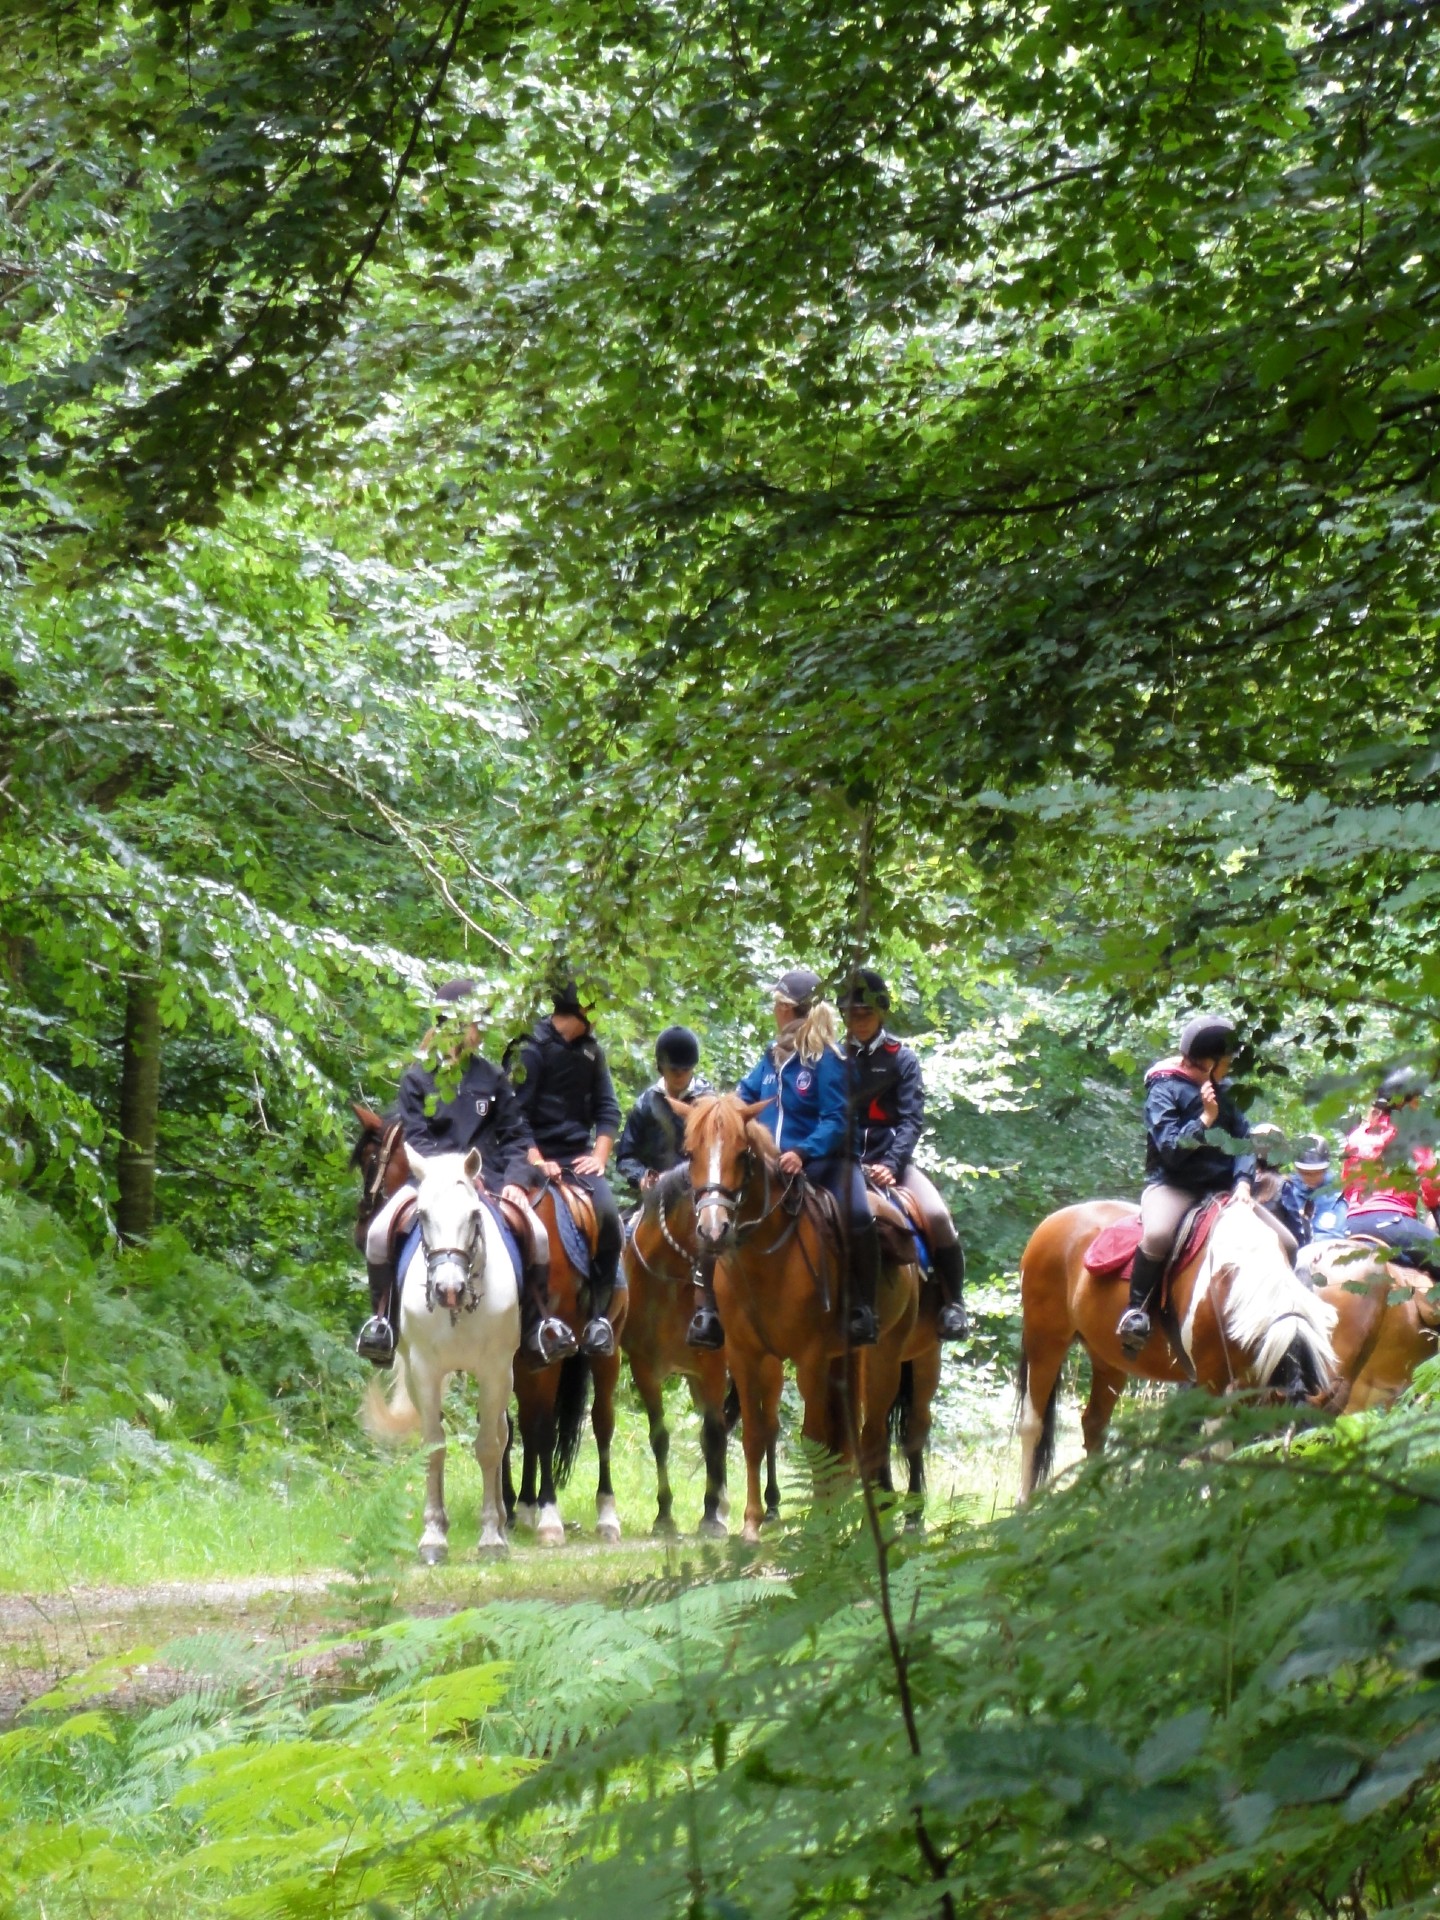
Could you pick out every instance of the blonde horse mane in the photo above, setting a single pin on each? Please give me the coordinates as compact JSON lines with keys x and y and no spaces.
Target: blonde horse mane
{"x":1265,"y":1307}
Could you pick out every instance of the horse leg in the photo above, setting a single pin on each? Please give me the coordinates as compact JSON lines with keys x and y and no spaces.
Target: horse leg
{"x":1039,"y":1391}
{"x":708,"y":1394}
{"x":652,"y":1398}
{"x":755,"y":1435}
{"x":924,"y":1383}
{"x":492,"y":1431}
{"x":531,"y":1393}
{"x":773,"y":1375}
{"x":605,"y":1372}
{"x":1106,"y":1385}
{"x":507,"y":1478}
{"x":425,"y":1389}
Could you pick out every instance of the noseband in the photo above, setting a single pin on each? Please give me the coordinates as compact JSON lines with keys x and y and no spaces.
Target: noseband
{"x":466,"y":1257}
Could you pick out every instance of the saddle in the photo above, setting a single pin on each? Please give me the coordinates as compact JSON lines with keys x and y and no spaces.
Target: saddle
{"x":1111,"y":1254}
{"x":575,"y":1217}
{"x":888,"y":1202}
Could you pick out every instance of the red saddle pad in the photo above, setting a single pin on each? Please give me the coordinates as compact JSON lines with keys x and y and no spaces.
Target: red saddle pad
{"x":1113,"y":1250}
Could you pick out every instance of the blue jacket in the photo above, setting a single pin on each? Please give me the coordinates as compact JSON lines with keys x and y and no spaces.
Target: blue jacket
{"x":809,"y":1110}
{"x":1176,"y":1150}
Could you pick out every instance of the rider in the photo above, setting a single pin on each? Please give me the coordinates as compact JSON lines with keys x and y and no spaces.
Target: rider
{"x":565,"y":1092}
{"x":1315,"y":1192}
{"x":481,"y":1112}
{"x":803,"y":1079}
{"x":654,"y":1138}
{"x":1187,"y":1098}
{"x":1378,"y":1203}
{"x":888,"y":1103}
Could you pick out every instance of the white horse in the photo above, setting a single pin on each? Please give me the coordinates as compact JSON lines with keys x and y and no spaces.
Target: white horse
{"x":459,"y":1313}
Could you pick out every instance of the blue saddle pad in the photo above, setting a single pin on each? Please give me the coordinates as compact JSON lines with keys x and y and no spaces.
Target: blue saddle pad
{"x":577,"y":1247}
{"x":511,"y":1244}
{"x":922,"y":1252}
{"x":408,"y":1248}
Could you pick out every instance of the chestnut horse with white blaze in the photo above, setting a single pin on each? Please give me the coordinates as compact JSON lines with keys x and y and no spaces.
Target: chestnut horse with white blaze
{"x":1244,"y":1321}
{"x":778,"y":1289}
{"x":459,"y":1313}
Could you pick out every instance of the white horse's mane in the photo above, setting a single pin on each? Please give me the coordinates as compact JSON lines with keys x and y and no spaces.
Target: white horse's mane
{"x":1265,"y":1305}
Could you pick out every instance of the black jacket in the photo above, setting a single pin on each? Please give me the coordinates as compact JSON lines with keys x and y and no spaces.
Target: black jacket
{"x":564,"y":1090}
{"x":887,"y":1101}
{"x":482,"y":1112}
{"x":1176,"y":1150}
{"x":653,"y":1140}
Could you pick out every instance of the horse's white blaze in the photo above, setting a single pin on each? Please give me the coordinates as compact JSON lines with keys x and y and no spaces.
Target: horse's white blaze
{"x":717,"y":1225}
{"x":482,"y":1342}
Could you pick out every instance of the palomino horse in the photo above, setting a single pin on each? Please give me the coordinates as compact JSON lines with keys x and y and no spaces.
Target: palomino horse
{"x":778,"y":1291}
{"x":1387,"y":1319}
{"x":551,"y":1401}
{"x":1244,"y":1321}
{"x":659,"y":1264}
{"x":459,"y":1313}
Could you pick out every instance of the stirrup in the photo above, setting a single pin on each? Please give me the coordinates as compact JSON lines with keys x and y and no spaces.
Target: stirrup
{"x":598,"y":1339}
{"x":862,"y":1329}
{"x":705,"y":1330}
{"x":953,"y":1322}
{"x":376,"y":1341}
{"x":547,"y":1341}
{"x":1134,"y":1330}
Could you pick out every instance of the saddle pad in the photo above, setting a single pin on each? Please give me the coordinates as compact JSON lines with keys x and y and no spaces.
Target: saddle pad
{"x":409,"y":1246}
{"x":572,"y":1235}
{"x":1113,"y":1250}
{"x":512,"y":1246}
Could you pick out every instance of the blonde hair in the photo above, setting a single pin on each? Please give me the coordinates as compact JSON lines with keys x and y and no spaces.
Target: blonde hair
{"x":808,"y":1036}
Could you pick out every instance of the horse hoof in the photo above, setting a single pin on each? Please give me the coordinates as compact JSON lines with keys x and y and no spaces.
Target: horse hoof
{"x":915,"y":1523}
{"x":550,"y":1528}
{"x":712,"y":1527}
{"x":433,"y":1553}
{"x":525,"y":1516}
{"x":492,"y":1541}
{"x":750,"y":1534}
{"x":608,"y":1533}
{"x":665,"y":1528}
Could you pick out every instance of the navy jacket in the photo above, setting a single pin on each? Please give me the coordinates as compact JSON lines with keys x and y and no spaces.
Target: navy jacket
{"x":565,"y":1091}
{"x":1176,"y":1150}
{"x":807,"y":1102}
{"x":482,"y":1112}
{"x":887,"y":1101}
{"x":654,"y":1136}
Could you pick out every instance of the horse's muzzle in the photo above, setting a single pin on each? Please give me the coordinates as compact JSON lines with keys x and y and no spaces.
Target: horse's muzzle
{"x":714,"y":1228}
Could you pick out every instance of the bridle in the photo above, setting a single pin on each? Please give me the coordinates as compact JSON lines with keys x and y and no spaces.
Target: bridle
{"x":467,"y":1258}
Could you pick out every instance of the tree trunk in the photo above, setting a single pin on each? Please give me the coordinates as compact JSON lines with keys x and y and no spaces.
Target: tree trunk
{"x":139,"y":1107}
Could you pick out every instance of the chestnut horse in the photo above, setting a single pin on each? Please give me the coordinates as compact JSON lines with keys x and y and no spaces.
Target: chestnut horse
{"x":1244,"y":1321}
{"x":778,"y":1289}
{"x":1387,"y":1319}
{"x":659,"y":1265}
{"x":551,"y":1400}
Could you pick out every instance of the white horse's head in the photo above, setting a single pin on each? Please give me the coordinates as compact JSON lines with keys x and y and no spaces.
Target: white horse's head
{"x":1274,"y":1320}
{"x":452,"y":1225}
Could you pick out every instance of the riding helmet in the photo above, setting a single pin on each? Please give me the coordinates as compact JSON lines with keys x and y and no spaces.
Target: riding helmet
{"x":1270,"y":1144}
{"x":1399,"y":1085}
{"x":1208,"y":1038}
{"x":1313,"y":1155}
{"x":450,"y":998}
{"x":796,"y":988}
{"x":677,"y":1047}
{"x":866,"y":990}
{"x":566,"y":999}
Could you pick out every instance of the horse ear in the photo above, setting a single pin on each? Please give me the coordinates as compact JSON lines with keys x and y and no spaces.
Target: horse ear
{"x":416,"y":1161}
{"x":473,"y":1164}
{"x":679,"y":1108}
{"x":749,"y":1111}
{"x":367,"y":1116}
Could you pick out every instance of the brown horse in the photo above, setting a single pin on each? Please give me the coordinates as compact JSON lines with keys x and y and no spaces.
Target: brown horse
{"x":551,"y":1401}
{"x":778,"y":1290}
{"x":1382,"y":1333}
{"x":659,"y":1263}
{"x":910,"y":1412}
{"x":1242,"y":1317}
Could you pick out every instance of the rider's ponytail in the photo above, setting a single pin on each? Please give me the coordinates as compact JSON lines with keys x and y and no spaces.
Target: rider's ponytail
{"x":809,"y":1036}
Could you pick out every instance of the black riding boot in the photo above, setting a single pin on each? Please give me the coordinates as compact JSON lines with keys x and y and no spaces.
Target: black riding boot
{"x":1145,"y":1278}
{"x":543,"y":1338}
{"x":377,"y":1337}
{"x":705,"y":1330}
{"x":949,"y":1265}
{"x":861,"y":1327}
{"x":598,"y":1338}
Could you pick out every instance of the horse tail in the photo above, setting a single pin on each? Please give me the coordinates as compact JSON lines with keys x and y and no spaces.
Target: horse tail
{"x":1044,"y":1455}
{"x":572,"y":1396}
{"x":389,"y":1416}
{"x":901,"y":1407}
{"x":732,"y":1407}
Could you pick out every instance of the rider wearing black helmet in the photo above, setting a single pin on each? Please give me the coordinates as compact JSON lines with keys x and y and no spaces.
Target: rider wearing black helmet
{"x":1188,"y":1100}
{"x":654,"y":1138}
{"x":887,"y":1105}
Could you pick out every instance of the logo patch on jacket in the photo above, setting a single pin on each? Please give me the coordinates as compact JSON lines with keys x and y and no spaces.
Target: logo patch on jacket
{"x":804,"y":1081}
{"x":482,"y":1105}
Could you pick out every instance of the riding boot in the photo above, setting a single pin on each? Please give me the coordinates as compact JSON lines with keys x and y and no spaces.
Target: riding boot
{"x":861,"y":1327}
{"x":543,"y":1338}
{"x":705,"y":1330}
{"x":598,"y":1337}
{"x":1145,"y":1278}
{"x":377,"y":1337}
{"x":953,"y":1322}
